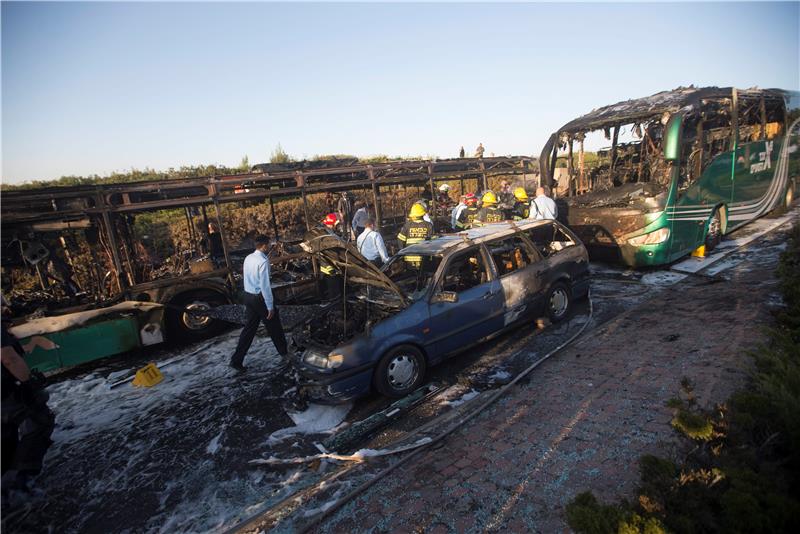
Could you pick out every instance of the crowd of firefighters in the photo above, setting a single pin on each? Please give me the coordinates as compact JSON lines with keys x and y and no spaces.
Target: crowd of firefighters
{"x":353,"y":221}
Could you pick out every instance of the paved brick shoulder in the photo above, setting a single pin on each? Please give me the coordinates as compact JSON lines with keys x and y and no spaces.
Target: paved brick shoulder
{"x":582,"y":419}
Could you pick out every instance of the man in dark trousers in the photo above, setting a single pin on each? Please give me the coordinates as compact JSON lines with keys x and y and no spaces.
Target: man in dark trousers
{"x":259,"y":303}
{"x":27,"y":421}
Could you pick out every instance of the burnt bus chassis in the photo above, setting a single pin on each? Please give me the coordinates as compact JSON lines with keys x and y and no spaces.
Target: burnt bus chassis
{"x":600,"y":211}
{"x":61,"y":210}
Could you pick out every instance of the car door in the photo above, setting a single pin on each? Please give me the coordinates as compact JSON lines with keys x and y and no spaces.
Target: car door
{"x":520,"y":270}
{"x":467,"y":303}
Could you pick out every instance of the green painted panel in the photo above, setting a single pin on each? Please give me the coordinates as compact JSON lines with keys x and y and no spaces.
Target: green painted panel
{"x":87,"y":343}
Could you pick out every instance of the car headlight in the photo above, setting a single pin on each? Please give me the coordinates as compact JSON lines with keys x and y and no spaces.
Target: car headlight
{"x":323,"y":361}
{"x":653,"y":238}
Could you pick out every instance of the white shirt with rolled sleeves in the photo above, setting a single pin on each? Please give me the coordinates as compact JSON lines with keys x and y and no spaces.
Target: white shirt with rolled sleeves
{"x":360,"y":217}
{"x":543,"y":207}
{"x":371,"y":246}
{"x":256,"y":276}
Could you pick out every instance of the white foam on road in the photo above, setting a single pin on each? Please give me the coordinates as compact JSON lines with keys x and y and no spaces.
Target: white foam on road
{"x":316,"y":419}
{"x":214,"y":445}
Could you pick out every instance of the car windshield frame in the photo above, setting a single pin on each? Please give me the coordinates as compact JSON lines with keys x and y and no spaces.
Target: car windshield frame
{"x":417,"y":292}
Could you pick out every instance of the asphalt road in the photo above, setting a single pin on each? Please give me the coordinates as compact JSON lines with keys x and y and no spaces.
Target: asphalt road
{"x":174,"y":458}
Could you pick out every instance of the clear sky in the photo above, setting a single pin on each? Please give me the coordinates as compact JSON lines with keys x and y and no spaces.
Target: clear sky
{"x":91,"y":88}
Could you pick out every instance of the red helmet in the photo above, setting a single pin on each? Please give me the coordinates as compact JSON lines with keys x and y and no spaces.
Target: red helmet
{"x":330,"y":220}
{"x":470,"y":199}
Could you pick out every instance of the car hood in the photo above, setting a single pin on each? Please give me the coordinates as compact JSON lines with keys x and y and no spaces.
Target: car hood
{"x":346,"y":258}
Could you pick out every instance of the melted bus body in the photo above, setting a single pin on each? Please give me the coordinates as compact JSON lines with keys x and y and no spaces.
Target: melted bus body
{"x":684,"y":167}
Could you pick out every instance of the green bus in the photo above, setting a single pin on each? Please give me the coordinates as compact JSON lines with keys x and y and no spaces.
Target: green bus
{"x":683,"y":168}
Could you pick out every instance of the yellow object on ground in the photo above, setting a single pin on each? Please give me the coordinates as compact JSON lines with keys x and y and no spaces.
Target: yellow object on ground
{"x":699,"y":252}
{"x":148,"y":376}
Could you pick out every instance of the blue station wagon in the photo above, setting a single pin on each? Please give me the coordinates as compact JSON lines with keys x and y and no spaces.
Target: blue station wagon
{"x":430,"y":301}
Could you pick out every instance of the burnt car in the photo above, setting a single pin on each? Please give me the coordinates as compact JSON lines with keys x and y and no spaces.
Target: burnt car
{"x":430,"y":301}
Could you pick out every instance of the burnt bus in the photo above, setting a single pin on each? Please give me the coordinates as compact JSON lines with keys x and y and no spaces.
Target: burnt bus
{"x":683,"y":168}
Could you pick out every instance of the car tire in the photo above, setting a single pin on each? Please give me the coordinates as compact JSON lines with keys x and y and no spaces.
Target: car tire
{"x":400,"y":371}
{"x":183,"y":327}
{"x":558,"y":302}
{"x":714,"y":232}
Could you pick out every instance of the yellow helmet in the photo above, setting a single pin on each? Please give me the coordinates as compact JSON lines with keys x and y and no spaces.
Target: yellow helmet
{"x":520,"y":194}
{"x":489,"y":198}
{"x":417,"y":211}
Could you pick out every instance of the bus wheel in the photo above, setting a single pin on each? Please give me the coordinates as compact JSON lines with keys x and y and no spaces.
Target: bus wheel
{"x":714,"y":234}
{"x":185,"y":326}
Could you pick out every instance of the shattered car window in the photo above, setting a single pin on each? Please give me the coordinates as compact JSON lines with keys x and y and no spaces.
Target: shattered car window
{"x":549,"y":239}
{"x":465,"y":272}
{"x":510,"y":254}
{"x":413,"y":273}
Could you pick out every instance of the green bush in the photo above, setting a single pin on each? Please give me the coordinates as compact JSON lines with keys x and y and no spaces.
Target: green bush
{"x":586,"y":515}
{"x":743,"y":475}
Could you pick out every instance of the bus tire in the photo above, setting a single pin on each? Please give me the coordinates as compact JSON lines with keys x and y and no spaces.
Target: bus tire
{"x":714,"y":232}
{"x":182,"y":326}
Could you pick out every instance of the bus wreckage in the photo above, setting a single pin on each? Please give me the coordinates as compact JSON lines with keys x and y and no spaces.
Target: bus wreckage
{"x":683,"y":168}
{"x":104,"y":269}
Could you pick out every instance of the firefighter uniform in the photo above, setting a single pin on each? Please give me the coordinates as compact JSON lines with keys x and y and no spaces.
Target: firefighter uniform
{"x":521,"y":209}
{"x":467,"y":217}
{"x":489,"y":213}
{"x":415,"y":230}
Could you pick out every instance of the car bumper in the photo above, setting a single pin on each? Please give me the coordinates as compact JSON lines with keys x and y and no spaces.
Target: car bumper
{"x":332,"y":388}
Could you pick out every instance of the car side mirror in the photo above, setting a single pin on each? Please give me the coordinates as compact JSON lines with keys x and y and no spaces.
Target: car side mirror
{"x":445,"y":296}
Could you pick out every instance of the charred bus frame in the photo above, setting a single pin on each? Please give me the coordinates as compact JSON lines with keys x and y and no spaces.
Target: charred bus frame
{"x":699,"y":162}
{"x":57,"y":211}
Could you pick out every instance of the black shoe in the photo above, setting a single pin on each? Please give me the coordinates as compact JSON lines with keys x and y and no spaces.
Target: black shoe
{"x":238,"y":366}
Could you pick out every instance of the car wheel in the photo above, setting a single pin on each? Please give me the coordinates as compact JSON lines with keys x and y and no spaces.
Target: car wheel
{"x":400,"y":371}
{"x":183,"y":326}
{"x":559,"y":302}
{"x":714,"y":233}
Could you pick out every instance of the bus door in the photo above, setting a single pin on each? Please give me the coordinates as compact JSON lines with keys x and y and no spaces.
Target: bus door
{"x":697,"y":199}
{"x":754,"y":168}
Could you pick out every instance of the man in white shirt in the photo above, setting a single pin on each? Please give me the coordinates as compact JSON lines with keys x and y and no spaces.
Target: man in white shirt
{"x":259,"y":303}
{"x":543,"y":207}
{"x":362,"y":214}
{"x":370,"y":244}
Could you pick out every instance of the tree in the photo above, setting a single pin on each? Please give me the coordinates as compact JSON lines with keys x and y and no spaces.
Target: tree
{"x":279,"y":156}
{"x":244,"y":165}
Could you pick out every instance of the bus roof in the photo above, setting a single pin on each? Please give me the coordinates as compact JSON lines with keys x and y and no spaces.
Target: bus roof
{"x":665,"y":101}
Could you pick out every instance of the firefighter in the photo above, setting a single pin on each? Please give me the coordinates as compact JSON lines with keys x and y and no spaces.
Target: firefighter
{"x":331,"y":222}
{"x":330,"y":278}
{"x":489,"y":213}
{"x":422,"y":203}
{"x":521,"y":209}
{"x":443,"y":198}
{"x":467,"y":217}
{"x":415,"y":230}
